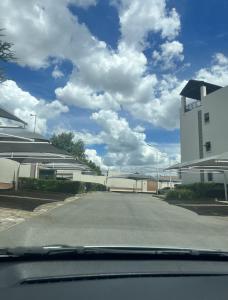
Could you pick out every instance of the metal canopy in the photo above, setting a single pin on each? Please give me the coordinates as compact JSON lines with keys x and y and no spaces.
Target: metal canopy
{"x":14,"y":148}
{"x":216,"y":162}
{"x":34,"y":152}
{"x":18,"y":133}
{"x":192,"y":89}
{"x":7,"y":115}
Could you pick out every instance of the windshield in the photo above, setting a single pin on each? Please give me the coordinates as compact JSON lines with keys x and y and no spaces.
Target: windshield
{"x":113,"y":121}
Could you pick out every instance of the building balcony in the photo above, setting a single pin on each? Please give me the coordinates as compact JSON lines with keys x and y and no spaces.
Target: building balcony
{"x":192,"y":105}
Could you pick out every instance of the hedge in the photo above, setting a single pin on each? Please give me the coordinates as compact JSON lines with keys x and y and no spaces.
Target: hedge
{"x":180,"y":194}
{"x":60,"y":186}
{"x":197,"y":191}
{"x":205,"y":190}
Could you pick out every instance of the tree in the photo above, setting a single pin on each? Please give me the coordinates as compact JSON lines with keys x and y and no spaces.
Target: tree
{"x":6,"y":54}
{"x":65,"y":141}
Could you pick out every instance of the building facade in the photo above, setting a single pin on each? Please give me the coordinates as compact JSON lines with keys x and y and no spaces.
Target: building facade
{"x":203,"y":127}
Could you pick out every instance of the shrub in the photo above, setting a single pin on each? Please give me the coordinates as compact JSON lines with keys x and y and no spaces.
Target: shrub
{"x":205,"y":190}
{"x":60,"y":186}
{"x":180,"y":194}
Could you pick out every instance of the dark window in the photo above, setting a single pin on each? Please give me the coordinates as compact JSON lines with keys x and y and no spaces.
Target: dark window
{"x":206,"y":117}
{"x":209,"y":176}
{"x":208,"y":146}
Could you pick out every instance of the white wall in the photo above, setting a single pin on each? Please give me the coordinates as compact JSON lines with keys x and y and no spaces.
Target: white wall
{"x":216,"y":130}
{"x":77,"y":176}
{"x":189,"y":138}
{"x":7,"y":170}
{"x":9,"y":167}
{"x":25,"y":170}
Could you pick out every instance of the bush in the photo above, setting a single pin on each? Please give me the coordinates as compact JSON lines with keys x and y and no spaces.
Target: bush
{"x":89,"y":187}
{"x":164,"y":191}
{"x":59,"y":186}
{"x":180,"y":194}
{"x":205,"y":190}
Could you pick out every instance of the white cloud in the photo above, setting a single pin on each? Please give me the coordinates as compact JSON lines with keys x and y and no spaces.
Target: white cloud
{"x":23,"y":104}
{"x":94,"y":157}
{"x":169,"y":55}
{"x":138,"y":18}
{"x":88,"y":138}
{"x":161,"y":110}
{"x":43,"y":29}
{"x":125,"y":146}
{"x":57,"y":73}
{"x":217,"y":73}
{"x":103,"y":78}
{"x":85,"y":97}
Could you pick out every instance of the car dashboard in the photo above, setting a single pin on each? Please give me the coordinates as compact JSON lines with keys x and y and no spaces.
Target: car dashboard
{"x":114,"y":279}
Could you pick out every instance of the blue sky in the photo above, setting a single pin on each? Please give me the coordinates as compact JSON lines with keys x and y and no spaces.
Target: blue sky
{"x":111,"y":71}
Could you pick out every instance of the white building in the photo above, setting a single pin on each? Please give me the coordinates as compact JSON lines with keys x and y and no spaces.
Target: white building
{"x":203,"y":127}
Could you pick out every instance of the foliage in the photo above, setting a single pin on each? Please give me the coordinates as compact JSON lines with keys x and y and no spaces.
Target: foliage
{"x":60,"y":186}
{"x":93,"y":166}
{"x":6,"y":54}
{"x":180,"y":194}
{"x":205,"y":190}
{"x":66,"y":141}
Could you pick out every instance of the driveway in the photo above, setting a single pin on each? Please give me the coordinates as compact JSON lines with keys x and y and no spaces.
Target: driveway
{"x":104,"y":218}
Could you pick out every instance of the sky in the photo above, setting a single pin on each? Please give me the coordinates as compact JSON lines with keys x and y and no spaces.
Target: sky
{"x":111,"y":71}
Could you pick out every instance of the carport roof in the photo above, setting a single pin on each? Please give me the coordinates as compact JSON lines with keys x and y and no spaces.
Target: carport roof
{"x":7,"y":115}
{"x":14,"y":147}
{"x":18,"y":133}
{"x":216,"y":162}
{"x":34,"y":152}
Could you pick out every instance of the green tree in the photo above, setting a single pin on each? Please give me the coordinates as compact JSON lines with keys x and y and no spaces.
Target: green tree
{"x":6,"y":54}
{"x":66,"y":141}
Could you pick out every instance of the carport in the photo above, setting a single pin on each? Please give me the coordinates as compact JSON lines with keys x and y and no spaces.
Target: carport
{"x":28,"y":152}
{"x":216,"y":164}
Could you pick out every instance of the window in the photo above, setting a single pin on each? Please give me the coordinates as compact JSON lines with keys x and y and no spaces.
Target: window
{"x":208,"y":146}
{"x":206,"y":117}
{"x":210,"y":176}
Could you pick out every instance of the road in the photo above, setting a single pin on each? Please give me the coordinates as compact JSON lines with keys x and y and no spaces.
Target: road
{"x":104,"y":218}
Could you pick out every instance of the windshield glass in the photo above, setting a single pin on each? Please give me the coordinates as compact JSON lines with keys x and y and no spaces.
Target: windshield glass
{"x":113,"y":116}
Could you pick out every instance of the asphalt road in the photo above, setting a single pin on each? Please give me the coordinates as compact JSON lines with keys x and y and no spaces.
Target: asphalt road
{"x":120,"y":219}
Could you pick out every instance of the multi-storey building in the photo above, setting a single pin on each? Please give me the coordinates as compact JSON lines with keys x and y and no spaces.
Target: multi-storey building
{"x":203,"y":126}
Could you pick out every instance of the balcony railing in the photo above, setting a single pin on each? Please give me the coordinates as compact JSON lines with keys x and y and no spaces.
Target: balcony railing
{"x":192,"y":105}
